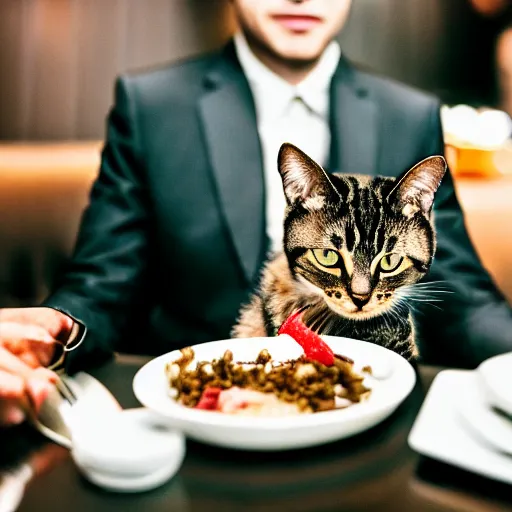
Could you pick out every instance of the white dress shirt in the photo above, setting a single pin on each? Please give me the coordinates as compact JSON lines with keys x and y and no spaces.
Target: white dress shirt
{"x":288,"y":113}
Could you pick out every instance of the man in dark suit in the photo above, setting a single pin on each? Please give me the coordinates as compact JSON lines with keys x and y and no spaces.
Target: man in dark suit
{"x":185,"y":207}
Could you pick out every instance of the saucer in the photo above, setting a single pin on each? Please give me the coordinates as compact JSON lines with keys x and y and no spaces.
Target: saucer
{"x":132,"y":484}
{"x":480,"y":418}
{"x":440,"y":433}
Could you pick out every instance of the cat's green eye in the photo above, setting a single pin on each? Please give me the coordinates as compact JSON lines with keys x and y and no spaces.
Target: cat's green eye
{"x":390,"y":262}
{"x":326,"y":257}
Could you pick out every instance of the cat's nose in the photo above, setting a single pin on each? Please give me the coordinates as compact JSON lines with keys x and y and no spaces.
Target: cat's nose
{"x":360,"y":300}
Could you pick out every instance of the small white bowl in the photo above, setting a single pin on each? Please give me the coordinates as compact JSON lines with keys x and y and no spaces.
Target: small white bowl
{"x":496,"y":377}
{"x":127,"y":450}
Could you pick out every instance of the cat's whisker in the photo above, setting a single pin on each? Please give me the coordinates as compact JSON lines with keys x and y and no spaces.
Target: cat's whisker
{"x":428,"y":289}
{"x":320,"y":320}
{"x":402,"y":305}
{"x":399,"y":309}
{"x":411,"y":300}
{"x":328,"y":323}
{"x":403,"y":308}
{"x":437,"y":307}
{"x":427,"y":292}
{"x":394,"y":316}
{"x":412,"y":290}
{"x":431,"y":283}
{"x":425,"y":296}
{"x":405,"y":295}
{"x":430,"y":286}
{"x":386,"y":322}
{"x":425,"y":300}
{"x":325,"y":327}
{"x":417,"y":312}
{"x":311,"y":318}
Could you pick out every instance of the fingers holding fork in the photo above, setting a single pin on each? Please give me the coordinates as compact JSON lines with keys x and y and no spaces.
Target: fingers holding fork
{"x":22,"y":388}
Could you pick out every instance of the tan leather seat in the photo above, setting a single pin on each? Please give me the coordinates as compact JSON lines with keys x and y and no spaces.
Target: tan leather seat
{"x":487,"y":204}
{"x":44,"y":189}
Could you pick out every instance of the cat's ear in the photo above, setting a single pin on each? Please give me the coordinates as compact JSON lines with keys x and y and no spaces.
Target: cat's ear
{"x":303,"y":179}
{"x":415,"y":191}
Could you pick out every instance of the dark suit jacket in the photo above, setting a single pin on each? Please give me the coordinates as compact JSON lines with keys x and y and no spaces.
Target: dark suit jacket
{"x":174,"y":237}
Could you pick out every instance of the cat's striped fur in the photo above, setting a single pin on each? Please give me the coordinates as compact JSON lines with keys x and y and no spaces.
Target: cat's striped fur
{"x":343,"y":237}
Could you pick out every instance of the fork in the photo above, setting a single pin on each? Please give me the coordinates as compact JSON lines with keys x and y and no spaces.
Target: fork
{"x":64,"y":389}
{"x":49,"y":420}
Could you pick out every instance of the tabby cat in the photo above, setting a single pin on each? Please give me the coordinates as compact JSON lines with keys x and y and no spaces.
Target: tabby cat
{"x":353,"y":247}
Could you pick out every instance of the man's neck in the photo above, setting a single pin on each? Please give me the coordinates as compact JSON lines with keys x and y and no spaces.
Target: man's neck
{"x":293,"y":71}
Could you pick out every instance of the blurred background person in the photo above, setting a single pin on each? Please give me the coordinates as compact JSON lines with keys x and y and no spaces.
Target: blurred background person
{"x":497,"y":20}
{"x":504,"y":69}
{"x":490,"y":7}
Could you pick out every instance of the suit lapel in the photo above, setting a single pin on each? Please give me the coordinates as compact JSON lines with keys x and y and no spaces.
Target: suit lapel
{"x":354,"y":124}
{"x":229,"y":122}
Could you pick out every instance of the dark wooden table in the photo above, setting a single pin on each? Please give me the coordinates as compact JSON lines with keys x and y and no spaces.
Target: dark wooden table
{"x":374,"y":471}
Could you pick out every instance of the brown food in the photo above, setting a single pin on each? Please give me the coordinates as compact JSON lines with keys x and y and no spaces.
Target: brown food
{"x":367,"y":369}
{"x":310,"y":384}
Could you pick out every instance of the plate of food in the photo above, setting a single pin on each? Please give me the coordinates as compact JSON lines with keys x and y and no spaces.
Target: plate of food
{"x":272,"y":393}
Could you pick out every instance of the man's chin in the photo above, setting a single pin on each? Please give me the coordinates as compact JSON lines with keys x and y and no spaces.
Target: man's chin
{"x":299,"y":52}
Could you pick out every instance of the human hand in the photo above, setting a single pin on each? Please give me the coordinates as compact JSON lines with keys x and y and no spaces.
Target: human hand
{"x":28,"y":340}
{"x":21,"y":387}
{"x":33,"y":334}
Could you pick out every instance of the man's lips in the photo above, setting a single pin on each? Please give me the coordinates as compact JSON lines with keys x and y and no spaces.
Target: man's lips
{"x":297,"y":23}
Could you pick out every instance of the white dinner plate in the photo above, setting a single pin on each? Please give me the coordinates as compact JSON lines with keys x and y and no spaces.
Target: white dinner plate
{"x":439,"y":431}
{"x":496,"y":377}
{"x":264,"y":433}
{"x":480,"y":418}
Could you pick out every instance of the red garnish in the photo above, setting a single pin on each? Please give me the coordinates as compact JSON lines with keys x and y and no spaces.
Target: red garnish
{"x":314,"y":347}
{"x":209,"y":399}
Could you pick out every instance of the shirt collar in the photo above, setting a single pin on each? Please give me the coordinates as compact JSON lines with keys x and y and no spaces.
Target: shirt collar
{"x":273,"y":94}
